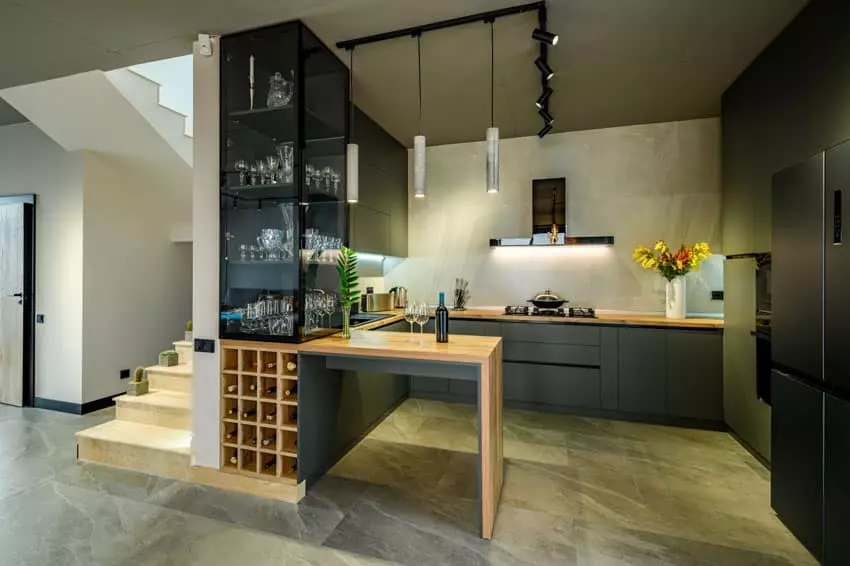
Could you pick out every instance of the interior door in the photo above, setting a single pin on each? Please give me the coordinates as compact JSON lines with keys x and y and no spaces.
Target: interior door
{"x":12,"y":267}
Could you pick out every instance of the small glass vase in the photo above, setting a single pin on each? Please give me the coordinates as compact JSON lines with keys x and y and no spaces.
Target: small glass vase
{"x":346,"y":322}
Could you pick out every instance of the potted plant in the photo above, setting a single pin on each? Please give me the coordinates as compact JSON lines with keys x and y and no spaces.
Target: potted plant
{"x":673,"y":265}
{"x":168,"y":358}
{"x":346,"y":268}
{"x":139,"y":385}
{"x":187,"y":335}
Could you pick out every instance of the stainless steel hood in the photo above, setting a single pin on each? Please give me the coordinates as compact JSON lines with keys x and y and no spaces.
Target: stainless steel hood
{"x":549,"y":220}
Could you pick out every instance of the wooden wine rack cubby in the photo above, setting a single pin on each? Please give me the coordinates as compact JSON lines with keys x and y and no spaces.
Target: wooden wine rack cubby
{"x":259,"y":407}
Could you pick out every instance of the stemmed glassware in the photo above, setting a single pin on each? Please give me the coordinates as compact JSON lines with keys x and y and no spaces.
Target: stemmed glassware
{"x":242,"y":167}
{"x":421,"y":316}
{"x":410,"y":315}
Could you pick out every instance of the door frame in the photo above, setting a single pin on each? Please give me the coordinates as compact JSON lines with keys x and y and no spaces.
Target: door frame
{"x":28,"y":298}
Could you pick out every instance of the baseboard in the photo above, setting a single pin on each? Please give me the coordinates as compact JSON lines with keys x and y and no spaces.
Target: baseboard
{"x":74,"y":408}
{"x":594,"y":413}
{"x":749,"y":448}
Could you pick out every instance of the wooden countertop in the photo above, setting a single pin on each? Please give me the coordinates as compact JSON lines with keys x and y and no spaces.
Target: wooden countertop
{"x":465,"y":349}
{"x":601,"y":318}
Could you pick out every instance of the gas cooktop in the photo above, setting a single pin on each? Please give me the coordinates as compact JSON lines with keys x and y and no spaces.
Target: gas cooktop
{"x":571,"y":312}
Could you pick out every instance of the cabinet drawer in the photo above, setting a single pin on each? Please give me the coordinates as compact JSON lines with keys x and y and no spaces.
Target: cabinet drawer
{"x":551,"y":333}
{"x":473,"y":327}
{"x":552,"y":385}
{"x":550,"y":353}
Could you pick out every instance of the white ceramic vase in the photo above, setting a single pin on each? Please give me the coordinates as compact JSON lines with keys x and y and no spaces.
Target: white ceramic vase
{"x":676,"y":298}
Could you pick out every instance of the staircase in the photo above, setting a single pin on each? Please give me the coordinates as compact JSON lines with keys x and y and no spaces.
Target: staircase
{"x":151,"y":433}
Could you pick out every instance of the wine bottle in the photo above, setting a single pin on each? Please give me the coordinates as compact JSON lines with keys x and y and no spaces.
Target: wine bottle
{"x":271,"y":365}
{"x":249,"y":413}
{"x":271,"y":390}
{"x":252,"y":387}
{"x":268,"y":440}
{"x":230,"y":436}
{"x":254,"y":441}
{"x":231,"y":388}
{"x":271,"y":416}
{"x":293,"y":417}
{"x":294,"y":466}
{"x":234,"y":460}
{"x":269,"y":464}
{"x":441,"y":320}
{"x":232,"y":412}
{"x":291,"y":391}
{"x":290,"y":367}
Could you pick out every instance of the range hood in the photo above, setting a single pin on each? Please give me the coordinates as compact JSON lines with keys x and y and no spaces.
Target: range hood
{"x":549,"y":221}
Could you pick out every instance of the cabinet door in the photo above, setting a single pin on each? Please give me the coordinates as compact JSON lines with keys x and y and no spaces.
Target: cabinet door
{"x":796,"y":478}
{"x":473,"y":327}
{"x":370,"y":230}
{"x":642,"y":371}
{"x":695,"y":374}
{"x":837,"y":482}
{"x":552,"y":385}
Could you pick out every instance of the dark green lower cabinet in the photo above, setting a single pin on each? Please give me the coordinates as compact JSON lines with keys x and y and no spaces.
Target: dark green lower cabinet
{"x":695,"y":375}
{"x":642,"y":371}
{"x":560,"y":386}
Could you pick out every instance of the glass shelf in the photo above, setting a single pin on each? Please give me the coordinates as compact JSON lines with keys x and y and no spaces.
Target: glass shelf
{"x":278,"y":300}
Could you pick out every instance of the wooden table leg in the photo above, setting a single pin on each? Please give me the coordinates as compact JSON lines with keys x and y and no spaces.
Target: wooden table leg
{"x":490,"y":429}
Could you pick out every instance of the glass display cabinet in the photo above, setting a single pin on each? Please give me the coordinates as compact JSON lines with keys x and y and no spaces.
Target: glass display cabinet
{"x":284,"y":128}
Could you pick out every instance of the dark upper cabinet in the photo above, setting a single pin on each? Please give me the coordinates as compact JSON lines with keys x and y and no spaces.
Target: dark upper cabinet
{"x":642,"y":371}
{"x":378,"y":222}
{"x":284,"y":128}
{"x":695,"y":374}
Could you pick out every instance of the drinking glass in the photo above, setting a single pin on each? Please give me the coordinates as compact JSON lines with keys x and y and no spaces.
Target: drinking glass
{"x":242,"y":167}
{"x":327,"y":180}
{"x":273,"y":165}
{"x":421,"y":316}
{"x":286,"y":160}
{"x":410,"y":315}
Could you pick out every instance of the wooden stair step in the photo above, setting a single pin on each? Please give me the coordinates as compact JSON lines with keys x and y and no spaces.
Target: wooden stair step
{"x":171,"y":378}
{"x":168,"y":409}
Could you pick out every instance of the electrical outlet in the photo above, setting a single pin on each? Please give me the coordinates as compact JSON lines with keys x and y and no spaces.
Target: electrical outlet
{"x":717,"y":295}
{"x":204,"y":346}
{"x":124,"y":374}
{"x":39,"y":319}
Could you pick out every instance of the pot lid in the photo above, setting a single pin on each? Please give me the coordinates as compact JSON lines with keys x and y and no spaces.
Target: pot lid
{"x":548,"y":296}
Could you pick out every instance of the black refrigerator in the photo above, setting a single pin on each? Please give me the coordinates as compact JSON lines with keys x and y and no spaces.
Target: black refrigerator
{"x":810,"y":354}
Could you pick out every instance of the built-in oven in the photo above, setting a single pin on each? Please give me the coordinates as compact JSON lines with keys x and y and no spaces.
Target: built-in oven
{"x":762,"y":327}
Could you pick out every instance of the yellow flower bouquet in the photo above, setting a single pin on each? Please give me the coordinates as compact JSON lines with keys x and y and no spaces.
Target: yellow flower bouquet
{"x":672,"y":263}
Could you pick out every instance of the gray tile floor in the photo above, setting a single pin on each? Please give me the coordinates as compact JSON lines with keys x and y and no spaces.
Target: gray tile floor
{"x":577,"y":491}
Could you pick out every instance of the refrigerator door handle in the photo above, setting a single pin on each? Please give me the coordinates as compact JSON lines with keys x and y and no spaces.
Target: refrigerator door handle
{"x":837,"y":231}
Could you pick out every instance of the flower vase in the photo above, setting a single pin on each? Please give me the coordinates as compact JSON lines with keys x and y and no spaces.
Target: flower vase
{"x":346,"y":321}
{"x":676,"y":298}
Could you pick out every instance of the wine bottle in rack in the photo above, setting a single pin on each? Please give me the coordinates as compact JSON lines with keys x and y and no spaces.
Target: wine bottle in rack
{"x":230,"y":435}
{"x":291,"y":391}
{"x":291,"y":367}
{"x":269,"y":464}
{"x":252,"y":387}
{"x":293,"y":417}
{"x":270,"y":391}
{"x":232,"y":388}
{"x":268,"y":440}
{"x":271,"y":416}
{"x":234,"y":460}
{"x":270,"y":365}
{"x":294,"y":466}
{"x":232,"y":412}
{"x":249,"y":413}
{"x":254,"y":441}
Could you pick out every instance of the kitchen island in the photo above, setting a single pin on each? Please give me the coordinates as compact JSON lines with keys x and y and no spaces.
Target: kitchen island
{"x":331,"y":421}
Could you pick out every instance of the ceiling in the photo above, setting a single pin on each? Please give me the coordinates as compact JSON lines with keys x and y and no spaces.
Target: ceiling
{"x":618,"y":62}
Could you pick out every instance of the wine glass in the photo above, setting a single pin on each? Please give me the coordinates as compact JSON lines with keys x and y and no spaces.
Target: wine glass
{"x":421,"y":316}
{"x":242,"y":167}
{"x":410,"y":315}
{"x":273,"y":164}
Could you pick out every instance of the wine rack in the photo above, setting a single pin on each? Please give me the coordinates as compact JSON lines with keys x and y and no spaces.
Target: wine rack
{"x":259,"y":410}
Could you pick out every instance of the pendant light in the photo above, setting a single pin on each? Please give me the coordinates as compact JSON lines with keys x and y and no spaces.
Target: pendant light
{"x":492,"y":131}
{"x":352,"y":152}
{"x":419,"y":139}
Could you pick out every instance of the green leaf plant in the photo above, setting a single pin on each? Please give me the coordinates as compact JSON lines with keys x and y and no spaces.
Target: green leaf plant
{"x":346,"y":268}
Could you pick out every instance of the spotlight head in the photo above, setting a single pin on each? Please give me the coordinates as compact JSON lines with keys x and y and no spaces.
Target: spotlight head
{"x":544,"y":130}
{"x":544,"y":113}
{"x":544,"y":67}
{"x":543,"y":99}
{"x":544,"y":36}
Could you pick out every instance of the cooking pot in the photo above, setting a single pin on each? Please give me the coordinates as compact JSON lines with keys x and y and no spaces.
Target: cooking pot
{"x":547,"y":300}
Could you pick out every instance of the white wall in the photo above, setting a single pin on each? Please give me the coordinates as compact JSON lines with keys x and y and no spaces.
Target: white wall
{"x":30,"y":162}
{"x":137,"y":284}
{"x":637,"y":183}
{"x":205,"y":232}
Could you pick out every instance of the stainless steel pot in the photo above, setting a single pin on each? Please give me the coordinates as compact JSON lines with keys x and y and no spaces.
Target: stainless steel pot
{"x":547,"y":300}
{"x":399,"y":297}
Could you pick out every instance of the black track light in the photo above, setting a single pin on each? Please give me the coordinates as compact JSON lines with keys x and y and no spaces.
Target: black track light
{"x":543,"y":100}
{"x":544,"y":36}
{"x":544,"y":113}
{"x":544,"y":130}
{"x":544,"y":67}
